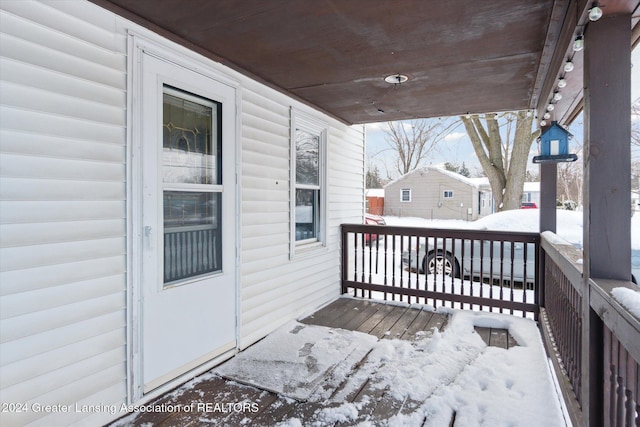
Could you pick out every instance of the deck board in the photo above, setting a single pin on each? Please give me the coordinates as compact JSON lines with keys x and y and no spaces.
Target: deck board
{"x":368,"y":325}
{"x":360,"y":317}
{"x":379,"y":319}
{"x":384,"y":326}
{"x":329,"y":316}
{"x":402,"y":324}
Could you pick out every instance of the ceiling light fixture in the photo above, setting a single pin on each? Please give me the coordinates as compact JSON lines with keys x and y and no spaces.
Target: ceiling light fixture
{"x":595,"y":12}
{"x":396,"y":79}
{"x":578,"y":44}
{"x":557,"y":96}
{"x":546,"y":116}
{"x":562,"y":82}
{"x":550,"y":107}
{"x":543,"y":123}
{"x":568,"y":66}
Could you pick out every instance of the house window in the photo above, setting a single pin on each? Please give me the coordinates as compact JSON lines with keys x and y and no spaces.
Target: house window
{"x":447,"y":194}
{"x":192,"y":185}
{"x":308,"y":176}
{"x":405,"y":195}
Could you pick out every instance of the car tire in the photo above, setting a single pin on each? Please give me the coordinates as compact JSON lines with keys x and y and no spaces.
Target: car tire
{"x":439,"y":263}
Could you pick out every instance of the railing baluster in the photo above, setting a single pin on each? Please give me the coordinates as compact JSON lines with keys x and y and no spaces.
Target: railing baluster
{"x":512,"y":258}
{"x":471,"y":273}
{"x":370,"y":258}
{"x":453,"y":251}
{"x":491,"y":271}
{"x":630,"y":395}
{"x":409,"y":270}
{"x":393,"y":264}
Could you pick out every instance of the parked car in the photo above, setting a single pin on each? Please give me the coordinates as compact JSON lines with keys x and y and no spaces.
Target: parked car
{"x":528,"y":205}
{"x":437,"y":257}
{"x":473,"y":258}
{"x":372,"y":220}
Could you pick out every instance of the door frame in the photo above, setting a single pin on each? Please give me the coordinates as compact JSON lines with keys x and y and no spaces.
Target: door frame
{"x":137,"y":46}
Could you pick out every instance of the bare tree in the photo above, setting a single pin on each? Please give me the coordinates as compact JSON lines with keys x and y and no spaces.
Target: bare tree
{"x":413,"y":141}
{"x":504,"y":160}
{"x":570,"y":180}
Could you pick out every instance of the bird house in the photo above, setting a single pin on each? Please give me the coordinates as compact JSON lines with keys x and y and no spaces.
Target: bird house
{"x":554,"y":145}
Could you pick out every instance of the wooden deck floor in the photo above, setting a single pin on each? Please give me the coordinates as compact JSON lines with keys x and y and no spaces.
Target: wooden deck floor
{"x":217,"y":401}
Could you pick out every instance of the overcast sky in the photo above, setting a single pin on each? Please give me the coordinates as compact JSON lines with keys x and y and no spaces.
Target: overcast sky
{"x":458,"y":149}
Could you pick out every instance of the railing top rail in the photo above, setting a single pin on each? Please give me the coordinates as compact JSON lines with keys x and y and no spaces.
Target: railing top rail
{"x":511,"y":236}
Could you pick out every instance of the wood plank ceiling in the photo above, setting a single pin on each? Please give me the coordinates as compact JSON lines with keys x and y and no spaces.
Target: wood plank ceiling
{"x":460,"y":55}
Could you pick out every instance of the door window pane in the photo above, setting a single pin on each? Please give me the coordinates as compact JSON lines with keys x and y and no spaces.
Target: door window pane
{"x":191,"y":141}
{"x":183,"y":209}
{"x":192,"y":235}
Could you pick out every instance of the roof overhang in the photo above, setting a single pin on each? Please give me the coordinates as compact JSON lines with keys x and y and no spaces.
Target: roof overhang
{"x":460,"y":56}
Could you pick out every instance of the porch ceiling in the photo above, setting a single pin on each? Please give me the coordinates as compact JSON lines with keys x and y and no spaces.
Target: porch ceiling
{"x":460,"y":55}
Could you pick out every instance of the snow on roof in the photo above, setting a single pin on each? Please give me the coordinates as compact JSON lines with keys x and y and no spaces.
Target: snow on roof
{"x":438,"y":168}
{"x":481,"y":181}
{"x":532,"y":187}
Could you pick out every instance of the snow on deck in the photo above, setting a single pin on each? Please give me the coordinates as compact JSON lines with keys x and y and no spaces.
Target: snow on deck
{"x":420,"y":368}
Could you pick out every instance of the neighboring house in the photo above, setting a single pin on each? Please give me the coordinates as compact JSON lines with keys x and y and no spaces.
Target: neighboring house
{"x":160,"y":211}
{"x":375,"y":201}
{"x":486,"y":203}
{"x":434,"y":193}
{"x":531,"y":193}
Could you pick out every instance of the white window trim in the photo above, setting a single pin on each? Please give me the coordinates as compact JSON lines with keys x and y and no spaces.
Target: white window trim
{"x":444,"y":194}
{"x":401,"y":194}
{"x":302,"y":120}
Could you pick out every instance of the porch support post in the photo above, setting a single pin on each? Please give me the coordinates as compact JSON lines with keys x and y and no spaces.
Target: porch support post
{"x":548,"y":183}
{"x":548,"y":190}
{"x":607,"y":186}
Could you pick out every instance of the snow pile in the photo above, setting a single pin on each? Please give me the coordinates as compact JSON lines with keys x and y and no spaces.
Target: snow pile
{"x":629,"y":299}
{"x":499,"y":387}
{"x":569,"y":223}
{"x":445,"y":373}
{"x":299,"y":360}
{"x":456,"y":372}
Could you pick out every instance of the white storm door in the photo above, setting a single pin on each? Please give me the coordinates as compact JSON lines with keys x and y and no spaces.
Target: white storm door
{"x":188,"y":295}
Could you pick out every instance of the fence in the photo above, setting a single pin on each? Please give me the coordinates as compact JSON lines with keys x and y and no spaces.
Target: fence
{"x":485,"y":270}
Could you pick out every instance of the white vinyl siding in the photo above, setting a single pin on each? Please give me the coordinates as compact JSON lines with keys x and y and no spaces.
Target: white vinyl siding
{"x":275,"y":288}
{"x":63,"y":209}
